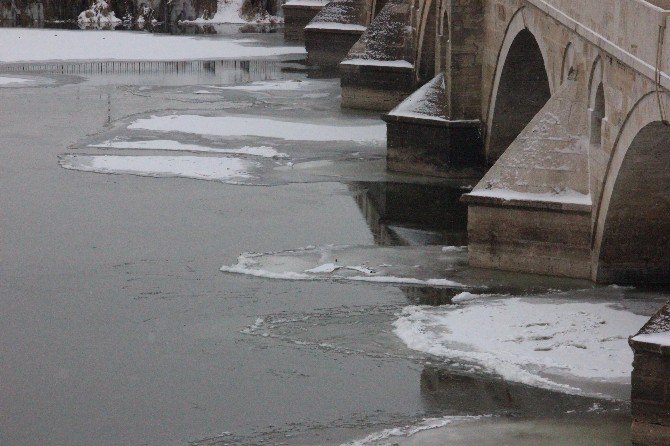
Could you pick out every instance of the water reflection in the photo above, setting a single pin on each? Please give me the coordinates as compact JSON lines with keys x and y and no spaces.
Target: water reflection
{"x":446,"y":391}
{"x":178,"y":28}
{"x":401,"y":214}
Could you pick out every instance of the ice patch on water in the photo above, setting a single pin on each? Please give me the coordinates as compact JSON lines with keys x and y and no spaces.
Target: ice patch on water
{"x":548,"y":342}
{"x":387,"y":436}
{"x":12,"y":80}
{"x":237,"y":126}
{"x":360,"y":264}
{"x":286,"y":85}
{"x":166,"y":144}
{"x":201,"y":168}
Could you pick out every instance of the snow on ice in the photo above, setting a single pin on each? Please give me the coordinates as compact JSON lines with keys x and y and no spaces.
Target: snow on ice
{"x":170,"y":145}
{"x":372,"y":131}
{"x":545,"y":341}
{"x":386,"y":436}
{"x":359,"y":264}
{"x":197,"y":167}
{"x":12,"y":80}
{"x":287,"y":85}
{"x":23,"y":45}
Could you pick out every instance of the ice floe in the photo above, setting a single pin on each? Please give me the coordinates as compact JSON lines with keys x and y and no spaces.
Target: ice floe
{"x":202,"y":168}
{"x":549,"y":342}
{"x":285,"y":85}
{"x":171,"y":145}
{"x":12,"y":80}
{"x":389,"y":437}
{"x":23,"y":45}
{"x":360,"y":264}
{"x":371,"y":130}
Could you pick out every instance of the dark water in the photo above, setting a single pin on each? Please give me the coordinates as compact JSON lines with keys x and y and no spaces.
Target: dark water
{"x":118,"y":327}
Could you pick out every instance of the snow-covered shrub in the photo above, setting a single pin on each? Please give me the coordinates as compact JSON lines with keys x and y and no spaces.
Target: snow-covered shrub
{"x":99,"y":14}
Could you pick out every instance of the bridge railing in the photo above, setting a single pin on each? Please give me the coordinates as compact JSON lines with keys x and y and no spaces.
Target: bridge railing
{"x":630,"y":30}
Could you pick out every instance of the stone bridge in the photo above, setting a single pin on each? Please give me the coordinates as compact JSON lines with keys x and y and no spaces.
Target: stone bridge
{"x":561,"y":105}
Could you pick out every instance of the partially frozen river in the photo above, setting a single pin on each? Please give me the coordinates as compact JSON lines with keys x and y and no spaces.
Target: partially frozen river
{"x":216,"y":255}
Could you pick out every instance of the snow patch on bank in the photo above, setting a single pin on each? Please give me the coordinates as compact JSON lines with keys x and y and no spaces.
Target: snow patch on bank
{"x":170,"y":145}
{"x":387,"y":436}
{"x":23,"y":45}
{"x":201,"y":168}
{"x":238,"y":126}
{"x":544,"y":342}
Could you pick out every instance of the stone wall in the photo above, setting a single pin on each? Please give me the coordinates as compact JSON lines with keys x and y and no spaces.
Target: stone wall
{"x":650,"y":395}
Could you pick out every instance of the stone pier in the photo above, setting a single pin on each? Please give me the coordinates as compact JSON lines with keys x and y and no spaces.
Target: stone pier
{"x":650,"y":396}
{"x":297,"y":15}
{"x":334,"y":30}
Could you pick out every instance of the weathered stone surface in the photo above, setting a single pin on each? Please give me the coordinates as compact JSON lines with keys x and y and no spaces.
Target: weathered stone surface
{"x":650,"y":394}
{"x":297,"y":15}
{"x":327,"y":47}
{"x":421,"y":138}
{"x":377,"y":72}
{"x":334,"y":30}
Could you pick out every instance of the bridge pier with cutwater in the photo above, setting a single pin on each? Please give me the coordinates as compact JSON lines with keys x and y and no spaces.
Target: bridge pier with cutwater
{"x":558,"y":108}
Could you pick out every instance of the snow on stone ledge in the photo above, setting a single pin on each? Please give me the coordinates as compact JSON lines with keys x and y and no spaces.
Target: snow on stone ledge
{"x":379,"y":63}
{"x":336,"y":26}
{"x":424,"y":103}
{"x":656,"y":332}
{"x":567,"y":196}
{"x":309,"y":3}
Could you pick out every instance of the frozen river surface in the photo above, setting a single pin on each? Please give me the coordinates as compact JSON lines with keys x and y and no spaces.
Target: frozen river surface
{"x":218,"y":256}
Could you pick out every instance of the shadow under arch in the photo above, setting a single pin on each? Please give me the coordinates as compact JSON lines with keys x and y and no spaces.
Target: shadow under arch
{"x":633,"y":235}
{"x":519,"y":43}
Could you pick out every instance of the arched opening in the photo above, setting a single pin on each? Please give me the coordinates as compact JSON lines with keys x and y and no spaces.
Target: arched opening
{"x":442,"y":41}
{"x":426,"y":43}
{"x":568,"y":71}
{"x":522,"y":92}
{"x":635,"y":243}
{"x":597,"y":116}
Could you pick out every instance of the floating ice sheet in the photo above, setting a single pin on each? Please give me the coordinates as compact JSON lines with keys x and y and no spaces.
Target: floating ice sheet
{"x":166,"y":144}
{"x":550,"y":342}
{"x":285,"y":85}
{"x":202,"y":168}
{"x":390,"y":436}
{"x":371,"y":130}
{"x":396,"y":265}
{"x":12,"y":80}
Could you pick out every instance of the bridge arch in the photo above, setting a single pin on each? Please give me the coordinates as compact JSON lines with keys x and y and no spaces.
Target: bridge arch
{"x":597,"y":109}
{"x":632,"y":234}
{"x":521,"y":86}
{"x":426,"y":39}
{"x":568,"y":68}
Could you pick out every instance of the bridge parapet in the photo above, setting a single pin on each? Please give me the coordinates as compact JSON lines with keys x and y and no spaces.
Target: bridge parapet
{"x":629,"y":30}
